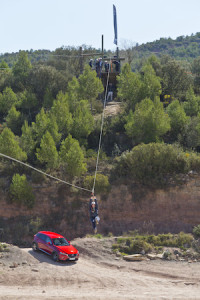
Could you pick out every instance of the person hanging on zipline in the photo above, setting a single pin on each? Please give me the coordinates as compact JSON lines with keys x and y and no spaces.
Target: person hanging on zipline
{"x":93,"y":209}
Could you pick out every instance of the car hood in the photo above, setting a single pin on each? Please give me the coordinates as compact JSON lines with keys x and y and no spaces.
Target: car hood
{"x":67,"y":249}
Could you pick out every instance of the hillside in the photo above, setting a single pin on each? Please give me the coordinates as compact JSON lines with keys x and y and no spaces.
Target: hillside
{"x":50,"y":119}
{"x":182,"y":48}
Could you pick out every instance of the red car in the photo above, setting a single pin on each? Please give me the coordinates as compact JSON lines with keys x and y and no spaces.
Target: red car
{"x":55,"y":245}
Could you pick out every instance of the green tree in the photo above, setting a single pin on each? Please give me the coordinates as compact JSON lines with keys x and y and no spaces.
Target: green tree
{"x":21,"y":71}
{"x":155,"y":62}
{"x":90,"y":85}
{"x":9,"y":145}
{"x":148,"y":123}
{"x":47,"y":153}
{"x":5,"y":74}
{"x":27,"y":103}
{"x":60,"y":111}
{"x":190,"y":135}
{"x":40,"y":125}
{"x":4,"y":65}
{"x":83,"y":121}
{"x":48,"y":99}
{"x":178,"y":118}
{"x":151,"y":86}
{"x":52,"y":127}
{"x":73,"y":89}
{"x":192,"y":103}
{"x":7,"y":99}
{"x":129,"y":87}
{"x":21,"y":191}
{"x":27,"y":139}
{"x":44,"y":122}
{"x":197,"y":127}
{"x":14,"y":120}
{"x":196,"y":72}
{"x":46,"y":79}
{"x":72,"y":157}
{"x":175,"y":79}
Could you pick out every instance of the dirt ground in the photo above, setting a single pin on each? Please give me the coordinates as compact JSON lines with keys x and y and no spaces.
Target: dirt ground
{"x":98,"y":274}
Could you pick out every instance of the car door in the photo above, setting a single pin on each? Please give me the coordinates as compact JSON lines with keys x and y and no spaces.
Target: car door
{"x":48,"y":245}
{"x":41,"y":241}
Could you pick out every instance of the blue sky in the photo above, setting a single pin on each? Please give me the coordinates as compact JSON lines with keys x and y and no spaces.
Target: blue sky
{"x":48,"y":24}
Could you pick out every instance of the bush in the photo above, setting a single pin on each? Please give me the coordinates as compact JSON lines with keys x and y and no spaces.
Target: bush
{"x":138,"y":245}
{"x":98,"y":236}
{"x":184,"y":240}
{"x":154,"y":163}
{"x":170,"y":240}
{"x":21,"y":192}
{"x":4,"y":247}
{"x":102,"y":184}
{"x":98,"y":107}
{"x":196,"y":231}
{"x":146,"y":243}
{"x":35,"y":225}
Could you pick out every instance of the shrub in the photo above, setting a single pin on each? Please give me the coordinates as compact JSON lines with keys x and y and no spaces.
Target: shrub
{"x":138,"y":245}
{"x":98,"y":236}
{"x":121,"y":240}
{"x":184,"y":240}
{"x":110,"y":234}
{"x":98,"y":107}
{"x":196,"y":231}
{"x":167,"y":255}
{"x":21,"y":192}
{"x":102,"y":184}
{"x":154,"y":163}
{"x":35,"y":224}
{"x":4,"y":247}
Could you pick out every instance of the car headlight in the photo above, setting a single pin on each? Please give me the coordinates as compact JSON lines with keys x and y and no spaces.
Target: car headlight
{"x":62,"y":253}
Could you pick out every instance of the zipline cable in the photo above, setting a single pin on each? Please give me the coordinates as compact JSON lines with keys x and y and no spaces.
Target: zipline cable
{"x":63,"y":181}
{"x":101,"y":131}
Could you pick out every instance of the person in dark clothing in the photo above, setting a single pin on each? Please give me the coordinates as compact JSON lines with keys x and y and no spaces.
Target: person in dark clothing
{"x":117,"y":65}
{"x":107,"y":66}
{"x":91,"y":63}
{"x":93,"y":209}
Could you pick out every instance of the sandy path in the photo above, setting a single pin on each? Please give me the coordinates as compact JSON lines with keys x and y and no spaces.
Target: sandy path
{"x":99,"y":276}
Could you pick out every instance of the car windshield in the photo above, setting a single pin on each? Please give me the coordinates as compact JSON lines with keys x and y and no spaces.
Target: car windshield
{"x":60,"y":242}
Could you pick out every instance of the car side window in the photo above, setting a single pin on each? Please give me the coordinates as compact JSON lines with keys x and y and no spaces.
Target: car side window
{"x":40,"y":236}
{"x":48,"y":240}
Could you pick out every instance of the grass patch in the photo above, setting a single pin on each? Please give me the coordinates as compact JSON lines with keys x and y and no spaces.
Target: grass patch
{"x":4,"y":247}
{"x":97,"y":236}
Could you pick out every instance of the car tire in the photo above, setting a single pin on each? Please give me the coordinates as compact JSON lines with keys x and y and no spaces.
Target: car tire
{"x":55,"y":256}
{"x":35,"y":246}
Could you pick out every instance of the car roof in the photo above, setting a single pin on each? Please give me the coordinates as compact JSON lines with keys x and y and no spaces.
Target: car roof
{"x":52,"y":235}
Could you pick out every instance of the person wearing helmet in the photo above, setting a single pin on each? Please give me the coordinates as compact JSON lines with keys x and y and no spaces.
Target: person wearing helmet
{"x":93,"y":209}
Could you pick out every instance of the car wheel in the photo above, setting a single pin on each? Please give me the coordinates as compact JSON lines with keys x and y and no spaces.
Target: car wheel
{"x":35,"y":246}
{"x":55,"y":256}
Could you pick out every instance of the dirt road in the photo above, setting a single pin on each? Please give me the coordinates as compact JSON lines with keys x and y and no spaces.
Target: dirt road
{"x":98,"y":274}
